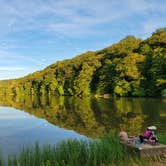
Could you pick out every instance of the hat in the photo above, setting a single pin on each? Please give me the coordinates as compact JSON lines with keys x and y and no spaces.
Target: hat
{"x":152,"y":127}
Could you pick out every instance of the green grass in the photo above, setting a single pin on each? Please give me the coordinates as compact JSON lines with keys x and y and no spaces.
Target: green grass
{"x":162,"y":138}
{"x":104,"y":152}
{"x":0,"y":159}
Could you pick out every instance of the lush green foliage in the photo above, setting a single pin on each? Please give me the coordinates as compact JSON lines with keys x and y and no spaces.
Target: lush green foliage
{"x":129,"y":68}
{"x":104,"y":152}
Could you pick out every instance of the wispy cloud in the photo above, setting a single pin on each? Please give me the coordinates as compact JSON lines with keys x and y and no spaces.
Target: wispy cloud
{"x":13,"y":68}
{"x":69,"y":17}
{"x":32,"y":30}
{"x":14,"y":65}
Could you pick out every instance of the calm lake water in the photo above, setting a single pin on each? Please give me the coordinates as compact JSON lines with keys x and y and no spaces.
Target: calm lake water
{"x":23,"y":121}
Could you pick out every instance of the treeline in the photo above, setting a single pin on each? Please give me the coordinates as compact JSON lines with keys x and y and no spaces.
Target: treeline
{"x":132,"y":67}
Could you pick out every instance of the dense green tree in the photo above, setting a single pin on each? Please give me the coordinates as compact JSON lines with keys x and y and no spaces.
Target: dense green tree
{"x":131,"y":67}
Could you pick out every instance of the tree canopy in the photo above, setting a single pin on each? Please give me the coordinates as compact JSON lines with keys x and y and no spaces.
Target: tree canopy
{"x":132,"y":67}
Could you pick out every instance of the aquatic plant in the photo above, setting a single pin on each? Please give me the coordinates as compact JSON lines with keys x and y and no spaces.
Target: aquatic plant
{"x":102,"y":152}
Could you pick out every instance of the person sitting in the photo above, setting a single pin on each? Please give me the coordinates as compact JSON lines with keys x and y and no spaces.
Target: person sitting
{"x":153,"y":138}
{"x":149,"y":135}
{"x":146,"y":135}
{"x":125,"y":139}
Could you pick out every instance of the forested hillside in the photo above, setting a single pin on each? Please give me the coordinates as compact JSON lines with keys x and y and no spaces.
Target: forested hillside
{"x":132,"y":67}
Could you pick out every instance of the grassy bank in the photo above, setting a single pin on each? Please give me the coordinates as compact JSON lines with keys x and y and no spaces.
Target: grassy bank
{"x":105,"y":152}
{"x":162,"y":138}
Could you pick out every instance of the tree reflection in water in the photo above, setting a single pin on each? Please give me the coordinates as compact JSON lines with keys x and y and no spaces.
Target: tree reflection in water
{"x":94,"y":117}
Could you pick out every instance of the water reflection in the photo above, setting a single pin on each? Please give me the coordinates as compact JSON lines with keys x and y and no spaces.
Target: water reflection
{"x":94,"y":117}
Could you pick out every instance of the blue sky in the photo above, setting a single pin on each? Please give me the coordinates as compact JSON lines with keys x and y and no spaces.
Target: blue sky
{"x":37,"y":33}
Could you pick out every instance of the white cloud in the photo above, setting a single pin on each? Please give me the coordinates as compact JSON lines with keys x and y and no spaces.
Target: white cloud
{"x":14,"y":65}
{"x":12,"y":68}
{"x":13,"y":58}
{"x":65,"y":20}
{"x":69,"y":16}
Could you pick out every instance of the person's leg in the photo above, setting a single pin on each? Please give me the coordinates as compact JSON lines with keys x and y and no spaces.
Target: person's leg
{"x":146,"y":139}
{"x":154,"y":139}
{"x":141,"y":138}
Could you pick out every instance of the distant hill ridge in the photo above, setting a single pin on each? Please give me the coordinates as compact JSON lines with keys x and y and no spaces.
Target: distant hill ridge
{"x":132,"y":67}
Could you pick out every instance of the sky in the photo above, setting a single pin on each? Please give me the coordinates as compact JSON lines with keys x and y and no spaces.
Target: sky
{"x":37,"y":33}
